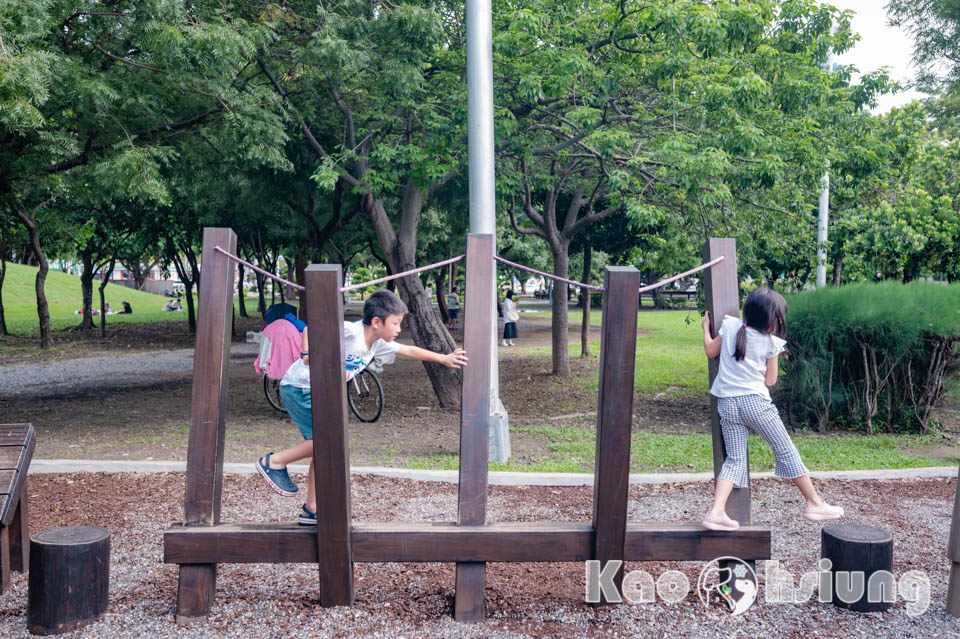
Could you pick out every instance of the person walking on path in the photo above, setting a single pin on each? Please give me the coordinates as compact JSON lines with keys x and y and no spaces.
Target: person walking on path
{"x":749,"y":351}
{"x":453,"y":308}
{"x":510,"y":317}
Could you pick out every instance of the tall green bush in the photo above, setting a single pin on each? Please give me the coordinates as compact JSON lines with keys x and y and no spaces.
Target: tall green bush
{"x":870,"y":354}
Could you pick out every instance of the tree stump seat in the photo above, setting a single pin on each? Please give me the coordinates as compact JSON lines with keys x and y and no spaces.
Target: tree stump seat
{"x":69,"y":578}
{"x":862,"y":566}
{"x":17,"y":442}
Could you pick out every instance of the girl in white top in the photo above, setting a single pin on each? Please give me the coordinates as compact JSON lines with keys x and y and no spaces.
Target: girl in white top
{"x":749,"y":351}
{"x":510,"y":317}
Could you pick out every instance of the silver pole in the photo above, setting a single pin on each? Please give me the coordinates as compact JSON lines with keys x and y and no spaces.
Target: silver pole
{"x":482,"y":183}
{"x":822,"y":230}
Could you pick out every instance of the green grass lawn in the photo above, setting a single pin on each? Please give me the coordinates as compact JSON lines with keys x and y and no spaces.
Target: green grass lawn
{"x":670,"y":355}
{"x":573,"y":449}
{"x":64,"y":296}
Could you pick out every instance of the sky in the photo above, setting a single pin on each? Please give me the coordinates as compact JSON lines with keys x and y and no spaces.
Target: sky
{"x":880,"y":45}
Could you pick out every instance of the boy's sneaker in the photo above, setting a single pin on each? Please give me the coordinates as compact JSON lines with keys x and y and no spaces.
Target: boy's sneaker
{"x":307,"y":517}
{"x":278,"y":478}
{"x":822,"y":512}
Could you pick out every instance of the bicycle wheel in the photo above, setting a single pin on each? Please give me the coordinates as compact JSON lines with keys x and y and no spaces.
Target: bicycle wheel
{"x":365,"y":396}
{"x":271,"y":388}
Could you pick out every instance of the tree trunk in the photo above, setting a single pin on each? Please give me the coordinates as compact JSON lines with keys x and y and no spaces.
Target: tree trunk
{"x":439,"y":279}
{"x":559,"y":324}
{"x":191,"y":313}
{"x":585,"y":323}
{"x":426,"y":327}
{"x":429,"y":332}
{"x":655,"y":293}
{"x":300,"y":268}
{"x":103,"y":304}
{"x":43,"y":309}
{"x":240,"y":293}
{"x":837,"y":269}
{"x":771,"y":283}
{"x":261,"y":300}
{"x":86,"y":289}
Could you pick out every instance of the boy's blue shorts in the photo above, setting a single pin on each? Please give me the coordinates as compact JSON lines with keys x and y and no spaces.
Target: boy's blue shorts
{"x":297,"y":402}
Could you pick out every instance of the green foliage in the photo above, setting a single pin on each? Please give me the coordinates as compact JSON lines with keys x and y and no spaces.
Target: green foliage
{"x":866,"y":353}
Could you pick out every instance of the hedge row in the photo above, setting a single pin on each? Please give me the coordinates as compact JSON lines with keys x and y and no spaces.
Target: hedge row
{"x":872,"y":355}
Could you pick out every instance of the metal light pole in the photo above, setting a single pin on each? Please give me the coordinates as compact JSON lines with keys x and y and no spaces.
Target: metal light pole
{"x":482,"y":182}
{"x":822,"y":230}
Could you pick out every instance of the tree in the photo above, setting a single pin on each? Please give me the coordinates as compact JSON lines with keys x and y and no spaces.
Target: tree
{"x":377,"y":92}
{"x":689,"y":112}
{"x":102,"y":99}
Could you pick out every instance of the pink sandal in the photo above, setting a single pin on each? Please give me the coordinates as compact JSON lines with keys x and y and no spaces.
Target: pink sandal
{"x":713,"y":522}
{"x":822,"y":512}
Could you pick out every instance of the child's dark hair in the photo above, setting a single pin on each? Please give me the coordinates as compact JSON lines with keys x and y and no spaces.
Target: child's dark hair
{"x":765,"y":310}
{"x":381,"y":304}
{"x":510,"y":294}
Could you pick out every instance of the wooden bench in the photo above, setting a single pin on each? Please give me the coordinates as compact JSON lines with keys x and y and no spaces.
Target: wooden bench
{"x":17,"y":442}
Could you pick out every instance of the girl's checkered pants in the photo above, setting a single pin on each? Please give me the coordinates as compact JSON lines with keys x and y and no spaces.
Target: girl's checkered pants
{"x":738,"y":416}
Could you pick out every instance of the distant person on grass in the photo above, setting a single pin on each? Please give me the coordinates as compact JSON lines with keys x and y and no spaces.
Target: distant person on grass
{"x":453,"y":308}
{"x":363,"y":341}
{"x":510,"y":317}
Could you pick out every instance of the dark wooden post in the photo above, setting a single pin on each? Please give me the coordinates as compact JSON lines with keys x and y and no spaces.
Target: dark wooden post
{"x":211,"y":363}
{"x":722,"y":293}
{"x":953,"y":554}
{"x":618,"y":356}
{"x":475,"y":418}
{"x":331,"y":442}
{"x":20,"y":533}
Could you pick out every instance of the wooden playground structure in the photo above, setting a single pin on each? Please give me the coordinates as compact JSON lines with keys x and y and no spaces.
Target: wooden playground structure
{"x":202,"y":541}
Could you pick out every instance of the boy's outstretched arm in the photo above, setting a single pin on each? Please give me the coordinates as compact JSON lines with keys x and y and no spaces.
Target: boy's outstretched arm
{"x":456,"y":359}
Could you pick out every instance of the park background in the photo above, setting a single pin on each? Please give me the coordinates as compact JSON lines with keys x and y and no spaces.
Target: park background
{"x":337,"y":135}
{"x":627,"y":133}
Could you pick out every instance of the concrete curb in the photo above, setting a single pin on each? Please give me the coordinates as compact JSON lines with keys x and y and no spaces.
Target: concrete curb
{"x":452,"y":476}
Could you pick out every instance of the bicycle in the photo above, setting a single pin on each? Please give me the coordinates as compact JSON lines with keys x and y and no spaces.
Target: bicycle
{"x":364,"y":395}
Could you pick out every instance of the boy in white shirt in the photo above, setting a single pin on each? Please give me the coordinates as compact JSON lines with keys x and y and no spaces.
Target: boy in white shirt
{"x":363,"y":341}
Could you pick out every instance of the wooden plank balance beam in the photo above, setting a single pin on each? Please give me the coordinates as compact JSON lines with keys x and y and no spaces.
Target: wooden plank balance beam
{"x":201,"y":541}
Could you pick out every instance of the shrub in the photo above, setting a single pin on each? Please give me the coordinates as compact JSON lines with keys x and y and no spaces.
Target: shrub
{"x":868,"y":353}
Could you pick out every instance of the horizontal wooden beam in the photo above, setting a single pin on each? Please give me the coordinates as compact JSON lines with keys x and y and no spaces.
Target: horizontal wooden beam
{"x":447,"y":542}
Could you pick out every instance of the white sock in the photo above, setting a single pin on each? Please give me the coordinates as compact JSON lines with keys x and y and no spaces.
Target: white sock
{"x":503,"y":342}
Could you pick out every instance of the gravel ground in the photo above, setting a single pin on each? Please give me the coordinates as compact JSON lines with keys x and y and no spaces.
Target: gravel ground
{"x":523,"y":600}
{"x":116,"y":369}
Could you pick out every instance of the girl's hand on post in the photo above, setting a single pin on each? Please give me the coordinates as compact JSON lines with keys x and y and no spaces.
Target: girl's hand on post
{"x":706,"y":322}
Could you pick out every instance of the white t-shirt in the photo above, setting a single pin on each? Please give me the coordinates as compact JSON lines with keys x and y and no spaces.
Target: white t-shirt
{"x":746,"y":376}
{"x":453,"y":300}
{"x":358,"y":357}
{"x":508,"y":305}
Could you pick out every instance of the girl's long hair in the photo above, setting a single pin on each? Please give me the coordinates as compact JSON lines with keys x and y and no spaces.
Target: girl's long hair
{"x":765,"y":310}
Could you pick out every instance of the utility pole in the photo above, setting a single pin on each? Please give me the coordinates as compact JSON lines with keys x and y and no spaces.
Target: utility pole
{"x":480,"y":141}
